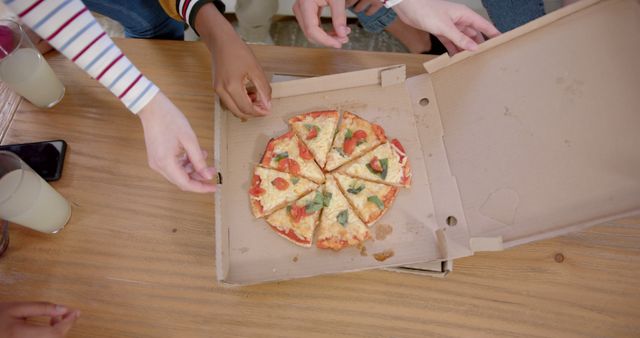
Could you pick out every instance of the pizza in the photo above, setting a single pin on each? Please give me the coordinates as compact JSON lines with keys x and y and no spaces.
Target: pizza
{"x":327,"y":183}
{"x":316,"y":130}
{"x":298,"y":220}
{"x":272,"y":189}
{"x":287,"y":153}
{"x":355,"y":137}
{"x":387,"y":164}
{"x":368,"y":199}
{"x":339,"y":227}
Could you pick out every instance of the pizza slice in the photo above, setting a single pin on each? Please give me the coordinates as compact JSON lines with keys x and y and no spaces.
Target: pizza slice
{"x":369,"y":200}
{"x":299,"y":219}
{"x":386,"y":164}
{"x":316,"y":130}
{"x":272,"y":189}
{"x":355,"y":137}
{"x":287,"y":153}
{"x":339,"y":226}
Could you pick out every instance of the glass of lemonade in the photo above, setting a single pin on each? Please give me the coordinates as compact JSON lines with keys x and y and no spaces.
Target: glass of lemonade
{"x":24,"y":69}
{"x":27,"y":199}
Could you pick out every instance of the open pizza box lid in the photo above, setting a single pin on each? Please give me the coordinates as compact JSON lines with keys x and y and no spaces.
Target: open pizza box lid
{"x":534,"y":135}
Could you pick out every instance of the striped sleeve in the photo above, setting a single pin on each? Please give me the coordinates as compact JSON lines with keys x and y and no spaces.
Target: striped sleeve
{"x":71,"y":29}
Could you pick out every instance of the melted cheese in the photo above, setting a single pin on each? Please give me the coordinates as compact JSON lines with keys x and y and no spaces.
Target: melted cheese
{"x":308,"y":168}
{"x":282,"y":220}
{"x":335,"y":159}
{"x":273,"y":198}
{"x":369,"y":211}
{"x":355,"y":230}
{"x":319,"y":145}
{"x":394,"y":171}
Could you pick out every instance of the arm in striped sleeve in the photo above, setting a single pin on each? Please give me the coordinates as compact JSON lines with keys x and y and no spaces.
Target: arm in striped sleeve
{"x":71,"y":29}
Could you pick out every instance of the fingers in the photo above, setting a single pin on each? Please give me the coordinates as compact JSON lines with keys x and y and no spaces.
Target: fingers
{"x":37,"y":309}
{"x":262,"y":105}
{"x":196,"y":158}
{"x":451,"y":32}
{"x":240,"y":97}
{"x":231,"y":105}
{"x":63,"y":326}
{"x":307,"y":14}
{"x":339,"y":18}
{"x":452,"y":49}
{"x":479,"y":23}
{"x":176,"y":174}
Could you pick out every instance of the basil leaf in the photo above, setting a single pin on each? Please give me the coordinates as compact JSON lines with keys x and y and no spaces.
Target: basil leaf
{"x":308,"y":126}
{"x":327,"y":199}
{"x":289,"y":209}
{"x":355,"y":190}
{"x":316,"y":204}
{"x":340,"y":151}
{"x":348,"y":134}
{"x":384,"y":163}
{"x":281,"y":156}
{"x":375,"y":200}
{"x":295,"y":180}
{"x":343,"y":217}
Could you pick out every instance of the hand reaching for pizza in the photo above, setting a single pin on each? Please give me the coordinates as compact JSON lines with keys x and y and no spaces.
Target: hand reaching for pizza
{"x":172,"y":147}
{"x":307,"y":13}
{"x":14,"y":320}
{"x":458,"y":27}
{"x":238,"y":79}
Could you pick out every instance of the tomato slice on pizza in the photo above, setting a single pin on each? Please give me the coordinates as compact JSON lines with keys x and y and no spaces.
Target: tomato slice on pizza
{"x":369,"y":200}
{"x":272,"y":189}
{"x":339,"y":226}
{"x":316,"y":130}
{"x":289,"y":154}
{"x":386,"y":164}
{"x":299,"y":219}
{"x":355,"y":137}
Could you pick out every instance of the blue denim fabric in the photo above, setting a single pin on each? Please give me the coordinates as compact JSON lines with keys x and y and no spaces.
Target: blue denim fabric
{"x":141,"y":18}
{"x":378,"y":21}
{"x":509,"y":14}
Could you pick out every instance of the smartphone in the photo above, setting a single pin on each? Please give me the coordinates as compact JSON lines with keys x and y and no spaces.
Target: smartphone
{"x":45,"y":158}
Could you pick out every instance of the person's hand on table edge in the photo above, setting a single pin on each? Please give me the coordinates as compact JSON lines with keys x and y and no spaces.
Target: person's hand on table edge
{"x":238,"y":79}
{"x":307,"y":13}
{"x":14,"y":320}
{"x":458,"y":27}
{"x":172,"y":147}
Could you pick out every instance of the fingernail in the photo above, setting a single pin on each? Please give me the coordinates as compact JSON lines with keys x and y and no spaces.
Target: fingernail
{"x":60,"y":309}
{"x":472,"y":46}
{"x":343,"y":30}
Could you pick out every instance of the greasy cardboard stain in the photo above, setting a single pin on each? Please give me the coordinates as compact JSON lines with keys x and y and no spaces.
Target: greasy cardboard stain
{"x":295,"y":259}
{"x":384,"y":255}
{"x":382,"y":231}
{"x":363,"y":251}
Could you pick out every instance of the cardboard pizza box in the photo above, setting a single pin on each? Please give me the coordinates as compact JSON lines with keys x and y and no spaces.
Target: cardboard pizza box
{"x":533,"y":136}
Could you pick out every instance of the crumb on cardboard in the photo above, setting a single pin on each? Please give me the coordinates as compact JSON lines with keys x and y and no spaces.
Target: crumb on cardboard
{"x":295,"y":259}
{"x":383,"y":230}
{"x":384,"y":255}
{"x":363,"y":251}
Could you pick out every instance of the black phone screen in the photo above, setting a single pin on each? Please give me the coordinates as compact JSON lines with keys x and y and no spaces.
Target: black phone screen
{"x":45,"y":158}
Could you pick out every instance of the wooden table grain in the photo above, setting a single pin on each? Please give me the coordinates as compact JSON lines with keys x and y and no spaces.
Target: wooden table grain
{"x":137,"y":257}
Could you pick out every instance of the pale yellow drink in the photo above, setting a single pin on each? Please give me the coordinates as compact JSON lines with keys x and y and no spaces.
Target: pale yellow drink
{"x":26,"y":199}
{"x":28,"y":74}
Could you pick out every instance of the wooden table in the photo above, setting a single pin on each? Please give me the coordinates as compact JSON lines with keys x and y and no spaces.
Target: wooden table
{"x":138,"y":255}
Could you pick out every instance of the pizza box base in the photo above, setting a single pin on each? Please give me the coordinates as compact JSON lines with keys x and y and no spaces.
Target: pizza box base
{"x":532,"y":136}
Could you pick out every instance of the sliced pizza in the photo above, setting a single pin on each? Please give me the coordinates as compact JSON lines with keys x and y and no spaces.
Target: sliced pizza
{"x":369,"y":200}
{"x":299,"y":219}
{"x":386,"y":164}
{"x":339,"y":226}
{"x":272,"y":189}
{"x":316,"y":130}
{"x":355,"y":137}
{"x":287,"y":153}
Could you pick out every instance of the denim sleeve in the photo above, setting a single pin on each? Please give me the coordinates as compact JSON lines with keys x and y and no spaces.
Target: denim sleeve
{"x":377,"y":22}
{"x":509,"y":14}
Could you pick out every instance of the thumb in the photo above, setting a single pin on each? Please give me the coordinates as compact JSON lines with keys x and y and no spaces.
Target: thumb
{"x":195,"y":155}
{"x":66,"y":323}
{"x":339,"y":18}
{"x":452,"y":32}
{"x":37,"y":309}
